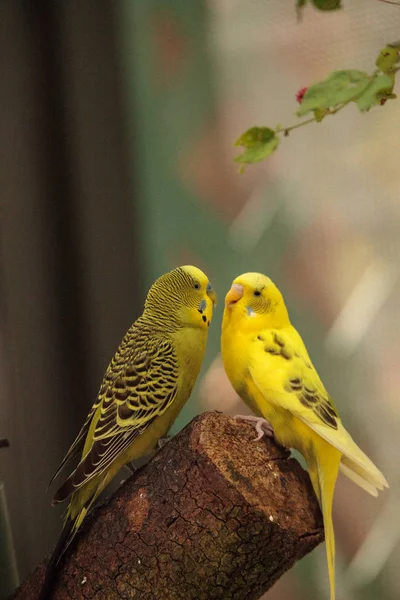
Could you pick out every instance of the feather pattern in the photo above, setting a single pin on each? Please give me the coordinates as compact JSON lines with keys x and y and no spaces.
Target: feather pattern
{"x":78,"y":444}
{"x":299,"y":377}
{"x":140,"y":385}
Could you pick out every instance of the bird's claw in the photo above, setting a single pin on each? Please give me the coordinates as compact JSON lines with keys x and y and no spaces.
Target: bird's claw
{"x":262,"y":426}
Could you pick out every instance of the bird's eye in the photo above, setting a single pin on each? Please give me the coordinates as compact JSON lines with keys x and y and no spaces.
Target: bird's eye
{"x":196,"y":286}
{"x":257,"y":293}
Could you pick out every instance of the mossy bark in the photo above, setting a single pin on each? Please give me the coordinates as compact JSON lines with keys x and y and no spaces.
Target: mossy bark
{"x":214,"y":515}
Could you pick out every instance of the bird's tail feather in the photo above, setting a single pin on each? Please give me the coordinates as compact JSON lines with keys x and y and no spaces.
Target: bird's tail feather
{"x":324,"y":473}
{"x":353,"y":457}
{"x":71,"y":526}
{"x":51,"y":570}
{"x":347,"y":468}
{"x":364,"y":468}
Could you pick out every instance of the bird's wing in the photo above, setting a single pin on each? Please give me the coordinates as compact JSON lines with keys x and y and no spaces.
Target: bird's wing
{"x":282,"y":369}
{"x":79,"y":442}
{"x":282,"y":358}
{"x":142,"y":389}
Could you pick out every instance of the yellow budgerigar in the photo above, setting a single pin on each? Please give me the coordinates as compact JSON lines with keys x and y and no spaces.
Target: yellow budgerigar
{"x":144,"y":388}
{"x":269,"y":367}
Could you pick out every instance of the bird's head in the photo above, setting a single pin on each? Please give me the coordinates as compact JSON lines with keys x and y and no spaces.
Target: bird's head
{"x":253,"y":297}
{"x":184,"y":297}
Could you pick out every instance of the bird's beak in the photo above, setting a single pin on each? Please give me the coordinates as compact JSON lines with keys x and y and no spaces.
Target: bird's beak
{"x":211,"y":294}
{"x":234,"y":295}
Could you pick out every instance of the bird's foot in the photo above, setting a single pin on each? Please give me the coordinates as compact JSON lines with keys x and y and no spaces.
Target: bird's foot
{"x":162,"y":441}
{"x":263,"y":427}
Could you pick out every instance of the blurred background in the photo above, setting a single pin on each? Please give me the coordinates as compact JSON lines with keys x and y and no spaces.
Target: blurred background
{"x":118,"y":120}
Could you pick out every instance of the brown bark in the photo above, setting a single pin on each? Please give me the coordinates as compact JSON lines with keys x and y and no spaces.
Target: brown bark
{"x":214,"y":515}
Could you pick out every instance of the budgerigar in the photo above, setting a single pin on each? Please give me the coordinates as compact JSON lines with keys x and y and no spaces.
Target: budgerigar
{"x":144,"y":388}
{"x":269,"y":367}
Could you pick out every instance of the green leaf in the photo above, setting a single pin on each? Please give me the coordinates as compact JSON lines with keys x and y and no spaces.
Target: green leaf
{"x":340,"y":87}
{"x":388,"y":59}
{"x":327,"y":4}
{"x":379,"y":88}
{"x":258,"y":142}
{"x":319,"y":114}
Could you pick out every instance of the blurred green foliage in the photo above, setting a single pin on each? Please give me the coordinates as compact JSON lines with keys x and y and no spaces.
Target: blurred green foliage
{"x":325,"y":98}
{"x":325,"y":5}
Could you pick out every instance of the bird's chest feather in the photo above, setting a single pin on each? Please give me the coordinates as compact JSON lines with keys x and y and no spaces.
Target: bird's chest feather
{"x":235,"y":358}
{"x":190,"y":346}
{"x":240,"y":355}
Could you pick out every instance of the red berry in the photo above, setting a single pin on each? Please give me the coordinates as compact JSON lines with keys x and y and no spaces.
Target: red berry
{"x":300,"y":95}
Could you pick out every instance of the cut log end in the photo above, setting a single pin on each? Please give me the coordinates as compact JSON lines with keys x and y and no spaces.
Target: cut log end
{"x":214,"y":515}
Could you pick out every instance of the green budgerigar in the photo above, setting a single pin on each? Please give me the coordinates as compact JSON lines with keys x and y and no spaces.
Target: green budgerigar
{"x":148,"y":381}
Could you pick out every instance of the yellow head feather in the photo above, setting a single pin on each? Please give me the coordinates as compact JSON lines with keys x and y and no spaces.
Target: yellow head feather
{"x":256,"y":301}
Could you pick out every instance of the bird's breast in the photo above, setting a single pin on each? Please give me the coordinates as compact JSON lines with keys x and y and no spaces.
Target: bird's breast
{"x":190,"y":345}
{"x":235,"y":357}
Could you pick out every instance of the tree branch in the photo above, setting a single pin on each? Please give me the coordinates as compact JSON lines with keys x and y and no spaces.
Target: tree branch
{"x":214,"y":515}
